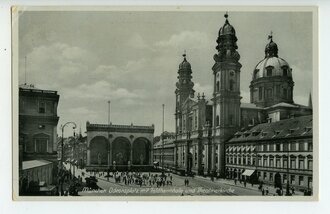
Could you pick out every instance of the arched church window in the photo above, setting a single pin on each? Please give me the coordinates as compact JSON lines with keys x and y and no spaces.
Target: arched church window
{"x":269,"y":93}
{"x":231,"y":85}
{"x":260,"y":93}
{"x":218,"y":86}
{"x":217,"y":120}
{"x":231,"y":119}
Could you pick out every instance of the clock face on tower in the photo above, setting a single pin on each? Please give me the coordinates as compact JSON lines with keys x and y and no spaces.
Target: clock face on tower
{"x":232,"y":73}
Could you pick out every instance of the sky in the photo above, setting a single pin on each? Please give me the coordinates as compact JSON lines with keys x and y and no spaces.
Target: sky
{"x":132,"y":58}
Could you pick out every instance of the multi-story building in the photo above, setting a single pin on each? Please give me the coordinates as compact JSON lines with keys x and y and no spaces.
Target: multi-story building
{"x":37,"y":138}
{"x":273,"y":153}
{"x":163,"y":151}
{"x":38,"y":122}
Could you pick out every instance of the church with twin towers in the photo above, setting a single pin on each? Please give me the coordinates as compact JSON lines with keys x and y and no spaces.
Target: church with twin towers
{"x":207,"y":126}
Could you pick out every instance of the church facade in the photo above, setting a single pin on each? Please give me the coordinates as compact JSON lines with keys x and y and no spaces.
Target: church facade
{"x":207,"y":126}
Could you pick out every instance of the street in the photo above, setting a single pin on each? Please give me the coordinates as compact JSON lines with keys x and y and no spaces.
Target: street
{"x":197,"y":186}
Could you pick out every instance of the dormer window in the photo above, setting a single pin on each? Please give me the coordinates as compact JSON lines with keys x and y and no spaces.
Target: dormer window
{"x":291,"y":131}
{"x":269,"y":71}
{"x":307,"y":129}
{"x":285,"y":71}
{"x":246,"y":134}
{"x":263,"y":134}
{"x":255,"y":133}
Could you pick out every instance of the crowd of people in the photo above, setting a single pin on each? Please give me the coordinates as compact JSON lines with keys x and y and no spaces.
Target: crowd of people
{"x":143,"y":179}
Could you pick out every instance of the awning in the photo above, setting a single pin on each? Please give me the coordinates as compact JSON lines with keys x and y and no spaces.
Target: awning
{"x":248,"y":172}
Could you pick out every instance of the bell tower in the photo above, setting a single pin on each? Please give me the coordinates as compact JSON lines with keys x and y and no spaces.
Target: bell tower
{"x":226,"y":96}
{"x":184,"y":89}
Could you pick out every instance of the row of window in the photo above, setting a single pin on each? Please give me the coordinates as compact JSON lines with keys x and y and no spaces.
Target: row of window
{"x":269,"y":71}
{"x":42,"y":106}
{"x":274,"y":147}
{"x":268,"y":93}
{"x":231,"y":85}
{"x":281,"y":162}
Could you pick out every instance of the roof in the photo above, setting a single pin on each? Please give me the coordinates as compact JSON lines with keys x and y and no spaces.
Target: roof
{"x":276,"y":63}
{"x":25,"y":89}
{"x":35,"y":163}
{"x":249,"y":105}
{"x":288,"y":128}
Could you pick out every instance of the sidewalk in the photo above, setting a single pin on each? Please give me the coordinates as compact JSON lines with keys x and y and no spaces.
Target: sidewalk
{"x":272,"y":190}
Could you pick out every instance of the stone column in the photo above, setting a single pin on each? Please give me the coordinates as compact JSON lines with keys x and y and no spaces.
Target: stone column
{"x":174,"y":158}
{"x":151,"y":155}
{"x":213,"y":167}
{"x":206,"y":158}
{"x":198,"y":157}
{"x":219,"y":166}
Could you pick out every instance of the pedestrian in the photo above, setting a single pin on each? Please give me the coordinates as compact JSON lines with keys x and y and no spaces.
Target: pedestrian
{"x":244,"y":183}
{"x":263,"y":191}
{"x":267,"y":191}
{"x":235,"y":180}
{"x":292,"y":190}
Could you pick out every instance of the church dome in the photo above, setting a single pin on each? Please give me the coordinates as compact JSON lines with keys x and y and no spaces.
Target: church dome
{"x":272,"y":65}
{"x":227,"y":29}
{"x":184,"y":65}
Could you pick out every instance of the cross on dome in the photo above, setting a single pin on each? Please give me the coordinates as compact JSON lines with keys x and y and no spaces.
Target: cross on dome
{"x":184,"y":54}
{"x":270,"y":36}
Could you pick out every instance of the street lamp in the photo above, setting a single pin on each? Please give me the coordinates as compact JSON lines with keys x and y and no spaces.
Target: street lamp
{"x":62,"y":145}
{"x":108,"y":171}
{"x":162,"y":156}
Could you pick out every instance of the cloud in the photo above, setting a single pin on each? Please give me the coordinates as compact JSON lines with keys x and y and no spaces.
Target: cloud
{"x":57,"y":65}
{"x":245,"y":96}
{"x":184,"y":40}
{"x":206,"y":89}
{"x":136,"y":41}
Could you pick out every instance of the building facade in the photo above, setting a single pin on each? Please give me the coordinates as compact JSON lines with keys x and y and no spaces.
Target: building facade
{"x":193,"y":116}
{"x":273,"y":153}
{"x":119,"y":147}
{"x":163,"y":152}
{"x":38,"y":123}
{"x":271,"y":92}
{"x":37,"y":139}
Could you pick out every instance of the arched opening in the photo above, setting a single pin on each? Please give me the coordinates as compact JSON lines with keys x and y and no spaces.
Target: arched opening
{"x":121,"y":151}
{"x":218,"y":86}
{"x":141,"y":151}
{"x":99,"y":147}
{"x":231,"y":85}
